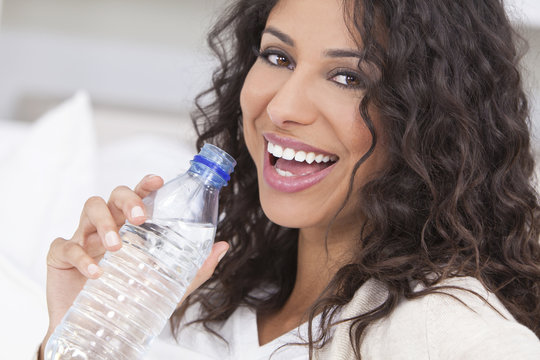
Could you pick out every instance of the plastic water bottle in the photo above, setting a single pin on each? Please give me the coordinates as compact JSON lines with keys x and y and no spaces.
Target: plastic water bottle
{"x":117,"y":315}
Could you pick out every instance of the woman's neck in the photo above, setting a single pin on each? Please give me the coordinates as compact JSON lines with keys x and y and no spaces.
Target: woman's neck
{"x":319,"y":259}
{"x":318,"y":262}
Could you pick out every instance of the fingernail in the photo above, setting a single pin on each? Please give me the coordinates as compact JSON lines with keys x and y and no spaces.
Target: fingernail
{"x":148,"y":177}
{"x":93,"y":269}
{"x":221,"y":256}
{"x":136,"y":212}
{"x":112,"y":239}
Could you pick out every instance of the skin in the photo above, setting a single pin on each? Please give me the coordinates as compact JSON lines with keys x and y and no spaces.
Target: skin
{"x":307,"y":96}
{"x":296,"y":90}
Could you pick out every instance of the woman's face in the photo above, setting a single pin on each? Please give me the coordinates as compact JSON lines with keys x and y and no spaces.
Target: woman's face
{"x":301,"y":120}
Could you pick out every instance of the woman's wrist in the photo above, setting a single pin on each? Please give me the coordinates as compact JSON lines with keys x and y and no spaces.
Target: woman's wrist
{"x":41,"y":349}
{"x":39,"y":354}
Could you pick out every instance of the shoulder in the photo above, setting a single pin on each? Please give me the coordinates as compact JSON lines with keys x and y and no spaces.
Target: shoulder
{"x":461,"y":320}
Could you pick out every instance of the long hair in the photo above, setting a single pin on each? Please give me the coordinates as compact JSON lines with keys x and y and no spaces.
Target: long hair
{"x":456,"y":197}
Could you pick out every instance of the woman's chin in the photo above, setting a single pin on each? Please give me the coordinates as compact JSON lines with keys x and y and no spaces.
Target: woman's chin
{"x":290,"y":216}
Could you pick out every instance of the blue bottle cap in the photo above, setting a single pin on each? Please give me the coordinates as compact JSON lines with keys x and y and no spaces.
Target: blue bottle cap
{"x":216,"y":160}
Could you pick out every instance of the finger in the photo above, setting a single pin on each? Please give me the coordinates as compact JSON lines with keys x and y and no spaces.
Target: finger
{"x":148,"y":184}
{"x":124,"y":204}
{"x":96,"y":217}
{"x":219,"y":250}
{"x":64,"y":254}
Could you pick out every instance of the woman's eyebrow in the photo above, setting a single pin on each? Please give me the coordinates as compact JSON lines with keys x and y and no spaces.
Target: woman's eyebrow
{"x":280,"y":35}
{"x":328,"y":53}
{"x":342,"y":53}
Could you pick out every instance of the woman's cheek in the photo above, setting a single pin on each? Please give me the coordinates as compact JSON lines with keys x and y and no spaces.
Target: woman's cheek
{"x":262,"y":83}
{"x":248,"y":104}
{"x":253,"y":94}
{"x":257,"y":92}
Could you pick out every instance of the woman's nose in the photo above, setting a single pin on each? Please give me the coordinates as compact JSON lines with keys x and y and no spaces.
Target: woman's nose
{"x":292,"y":102}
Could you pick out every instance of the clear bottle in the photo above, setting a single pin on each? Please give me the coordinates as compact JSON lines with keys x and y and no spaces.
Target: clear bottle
{"x":117,"y":315}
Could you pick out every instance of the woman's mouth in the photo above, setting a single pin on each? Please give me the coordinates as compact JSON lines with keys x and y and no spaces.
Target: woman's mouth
{"x":292,"y":166}
{"x":290,"y":162}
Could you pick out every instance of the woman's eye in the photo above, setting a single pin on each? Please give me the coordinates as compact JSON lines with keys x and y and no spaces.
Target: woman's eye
{"x":347,"y":80}
{"x":277,"y":59}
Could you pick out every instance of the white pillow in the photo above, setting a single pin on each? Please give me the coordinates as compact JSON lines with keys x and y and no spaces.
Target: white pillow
{"x":45,"y":177}
{"x":44,"y":183}
{"x":126,"y":160}
{"x":23,"y":311}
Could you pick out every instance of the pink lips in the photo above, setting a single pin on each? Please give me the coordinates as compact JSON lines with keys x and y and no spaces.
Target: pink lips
{"x":294,"y":183}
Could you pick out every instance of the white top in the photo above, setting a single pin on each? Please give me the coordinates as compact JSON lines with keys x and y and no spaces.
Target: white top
{"x":436,"y":326}
{"x":240,"y":331}
{"x":453,"y":325}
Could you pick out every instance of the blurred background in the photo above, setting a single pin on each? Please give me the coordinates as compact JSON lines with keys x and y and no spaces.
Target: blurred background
{"x":96,"y":93}
{"x":146,"y":59}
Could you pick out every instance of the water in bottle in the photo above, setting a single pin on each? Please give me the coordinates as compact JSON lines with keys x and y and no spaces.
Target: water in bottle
{"x":117,"y":315}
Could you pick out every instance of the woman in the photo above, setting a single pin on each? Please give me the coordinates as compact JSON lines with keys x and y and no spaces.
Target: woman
{"x":382,"y":194}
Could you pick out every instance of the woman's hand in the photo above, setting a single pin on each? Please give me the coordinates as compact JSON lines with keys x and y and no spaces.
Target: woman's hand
{"x":71,"y":262}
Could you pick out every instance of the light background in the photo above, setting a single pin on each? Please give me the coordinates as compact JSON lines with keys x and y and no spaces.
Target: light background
{"x":141,"y":62}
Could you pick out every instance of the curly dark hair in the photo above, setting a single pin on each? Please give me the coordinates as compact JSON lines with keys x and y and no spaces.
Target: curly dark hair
{"x":456,"y":198}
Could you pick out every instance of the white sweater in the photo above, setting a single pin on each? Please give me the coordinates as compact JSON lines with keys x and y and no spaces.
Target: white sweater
{"x":436,"y":326}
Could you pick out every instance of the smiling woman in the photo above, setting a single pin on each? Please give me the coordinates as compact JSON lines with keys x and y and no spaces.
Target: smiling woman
{"x":309,"y":102}
{"x":382,"y":205}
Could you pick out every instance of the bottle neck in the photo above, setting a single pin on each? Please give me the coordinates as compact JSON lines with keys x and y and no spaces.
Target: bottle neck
{"x":207,"y":175}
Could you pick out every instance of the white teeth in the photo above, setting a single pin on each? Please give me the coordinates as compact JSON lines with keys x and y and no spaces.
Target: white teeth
{"x":300,"y":156}
{"x":277,"y":151}
{"x":310,"y":157}
{"x":288,"y":154}
{"x":284,"y":173}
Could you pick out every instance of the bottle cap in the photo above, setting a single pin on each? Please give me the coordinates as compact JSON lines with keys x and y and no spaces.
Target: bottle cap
{"x":216,"y":160}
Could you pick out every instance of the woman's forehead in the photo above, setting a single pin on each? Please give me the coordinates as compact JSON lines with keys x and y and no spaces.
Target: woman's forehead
{"x":317,"y":21}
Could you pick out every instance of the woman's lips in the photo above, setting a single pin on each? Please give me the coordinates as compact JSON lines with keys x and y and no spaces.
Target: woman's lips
{"x":293,"y":183}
